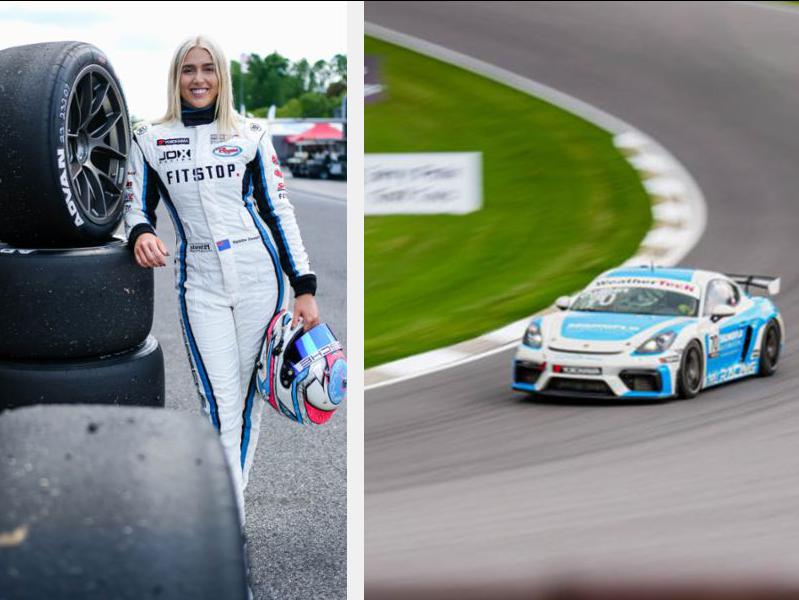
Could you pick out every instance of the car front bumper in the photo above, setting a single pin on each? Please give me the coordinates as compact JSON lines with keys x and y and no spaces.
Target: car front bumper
{"x":596,"y":376}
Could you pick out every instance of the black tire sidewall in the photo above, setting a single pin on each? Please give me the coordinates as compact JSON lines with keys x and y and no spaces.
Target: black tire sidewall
{"x":766,"y":368}
{"x":73,"y":303}
{"x":682,"y":387}
{"x":134,"y":378}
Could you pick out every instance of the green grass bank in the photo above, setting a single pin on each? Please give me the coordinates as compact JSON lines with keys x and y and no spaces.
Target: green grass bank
{"x":560,"y":204}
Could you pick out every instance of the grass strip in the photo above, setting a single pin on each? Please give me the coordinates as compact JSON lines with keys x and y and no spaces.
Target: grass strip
{"x":560,"y":204}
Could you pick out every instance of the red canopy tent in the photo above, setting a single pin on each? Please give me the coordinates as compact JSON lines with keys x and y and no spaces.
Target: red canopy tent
{"x":320,"y":131}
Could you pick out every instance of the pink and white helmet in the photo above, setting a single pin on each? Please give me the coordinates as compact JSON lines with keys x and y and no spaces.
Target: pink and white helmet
{"x":301,"y":374}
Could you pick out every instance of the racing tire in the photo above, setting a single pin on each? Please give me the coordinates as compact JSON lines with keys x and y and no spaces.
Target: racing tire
{"x":73,"y":303}
{"x":770,"y":349}
{"x":689,"y":376}
{"x":64,"y":143}
{"x":133,"y":378}
{"x":116,"y":502}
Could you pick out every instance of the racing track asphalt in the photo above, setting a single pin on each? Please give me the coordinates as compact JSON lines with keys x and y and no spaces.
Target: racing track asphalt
{"x":296,"y":500}
{"x":467,"y":481}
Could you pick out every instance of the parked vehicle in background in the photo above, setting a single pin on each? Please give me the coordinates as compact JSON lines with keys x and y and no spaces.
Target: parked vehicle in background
{"x":321,"y":159}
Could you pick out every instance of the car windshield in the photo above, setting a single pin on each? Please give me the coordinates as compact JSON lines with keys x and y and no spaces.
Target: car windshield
{"x":637,"y":301}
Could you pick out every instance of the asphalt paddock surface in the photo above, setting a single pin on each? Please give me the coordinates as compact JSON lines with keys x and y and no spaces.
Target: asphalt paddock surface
{"x":470,"y":484}
{"x":296,"y":500}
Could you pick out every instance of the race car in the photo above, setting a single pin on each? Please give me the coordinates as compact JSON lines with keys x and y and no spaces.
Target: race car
{"x":652,"y":332}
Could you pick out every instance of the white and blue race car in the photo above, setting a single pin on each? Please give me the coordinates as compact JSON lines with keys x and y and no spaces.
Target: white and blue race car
{"x":652,"y":332}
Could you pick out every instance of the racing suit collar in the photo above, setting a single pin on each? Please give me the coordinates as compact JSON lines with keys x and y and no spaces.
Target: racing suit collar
{"x":192,"y":117}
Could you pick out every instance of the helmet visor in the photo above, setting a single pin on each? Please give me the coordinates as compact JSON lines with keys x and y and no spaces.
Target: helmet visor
{"x":315,"y":344}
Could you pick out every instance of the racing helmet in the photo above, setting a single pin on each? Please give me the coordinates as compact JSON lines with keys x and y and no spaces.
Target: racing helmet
{"x":301,"y":374}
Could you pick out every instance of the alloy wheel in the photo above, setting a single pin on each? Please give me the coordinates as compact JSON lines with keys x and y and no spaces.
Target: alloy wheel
{"x":97,"y":144}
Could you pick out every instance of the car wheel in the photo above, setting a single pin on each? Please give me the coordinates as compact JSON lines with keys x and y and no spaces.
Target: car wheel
{"x":73,"y":303}
{"x":689,"y":377}
{"x":134,"y":378}
{"x":116,"y":502}
{"x":64,"y":142}
{"x":770,"y":349}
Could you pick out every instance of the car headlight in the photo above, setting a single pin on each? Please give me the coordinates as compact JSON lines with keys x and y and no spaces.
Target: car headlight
{"x":659,"y":343}
{"x":533,"y":337}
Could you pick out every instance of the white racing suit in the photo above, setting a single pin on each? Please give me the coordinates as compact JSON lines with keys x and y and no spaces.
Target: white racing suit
{"x":236,"y":235}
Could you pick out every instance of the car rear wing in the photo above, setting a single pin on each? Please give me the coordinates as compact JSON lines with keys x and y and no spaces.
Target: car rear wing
{"x":763,"y":282}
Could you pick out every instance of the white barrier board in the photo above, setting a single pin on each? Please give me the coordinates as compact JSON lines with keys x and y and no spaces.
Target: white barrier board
{"x":423,"y":183}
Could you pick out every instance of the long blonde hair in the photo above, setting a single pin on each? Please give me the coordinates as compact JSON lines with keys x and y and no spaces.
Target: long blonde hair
{"x":225,"y":114}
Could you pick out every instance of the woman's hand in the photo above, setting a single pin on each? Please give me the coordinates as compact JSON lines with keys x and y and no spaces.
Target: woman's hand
{"x":150,"y":251}
{"x":305,"y":308}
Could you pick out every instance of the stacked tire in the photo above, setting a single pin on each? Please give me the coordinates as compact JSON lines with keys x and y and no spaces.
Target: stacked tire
{"x":76,"y":311}
{"x":122,"y":502}
{"x":91,"y":493}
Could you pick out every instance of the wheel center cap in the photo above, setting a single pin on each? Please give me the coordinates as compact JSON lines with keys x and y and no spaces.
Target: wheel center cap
{"x":82,"y":147}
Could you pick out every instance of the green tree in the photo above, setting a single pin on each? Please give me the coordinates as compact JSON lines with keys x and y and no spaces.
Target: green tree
{"x":300,"y":89}
{"x":301,"y":71}
{"x":320,"y":73}
{"x":315,"y":104}
{"x":339,"y":67}
{"x":291,"y":110}
{"x":336,"y":89}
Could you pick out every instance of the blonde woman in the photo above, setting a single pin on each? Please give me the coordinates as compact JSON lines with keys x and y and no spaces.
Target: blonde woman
{"x":220,"y":180}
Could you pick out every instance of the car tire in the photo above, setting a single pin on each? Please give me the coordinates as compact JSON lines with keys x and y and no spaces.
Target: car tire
{"x":133,"y":378}
{"x":73,"y":303}
{"x":64,"y":141}
{"x":689,"y":376}
{"x":116,"y":502}
{"x":770,"y":349}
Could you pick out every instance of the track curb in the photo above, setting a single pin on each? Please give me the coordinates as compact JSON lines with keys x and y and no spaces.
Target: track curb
{"x":679,"y":211}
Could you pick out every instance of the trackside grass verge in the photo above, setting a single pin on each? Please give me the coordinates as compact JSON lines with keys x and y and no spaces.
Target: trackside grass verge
{"x":560,"y":204}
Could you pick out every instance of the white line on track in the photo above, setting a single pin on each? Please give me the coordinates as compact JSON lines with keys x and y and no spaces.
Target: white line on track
{"x":679,"y":217}
{"x":433,"y":369}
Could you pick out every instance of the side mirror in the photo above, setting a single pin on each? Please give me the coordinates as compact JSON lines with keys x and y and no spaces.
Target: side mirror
{"x":721,"y":311}
{"x":563,"y":302}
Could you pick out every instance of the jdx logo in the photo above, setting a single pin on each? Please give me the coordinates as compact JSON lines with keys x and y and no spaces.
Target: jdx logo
{"x":175,"y":155}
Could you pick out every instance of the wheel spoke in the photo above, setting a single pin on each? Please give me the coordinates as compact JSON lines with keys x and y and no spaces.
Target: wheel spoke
{"x":99,"y":94}
{"x":74,"y":115}
{"x":109,"y":151}
{"x":74,"y":170}
{"x":84,"y":190}
{"x":96,"y":187}
{"x":85,"y":100}
{"x":110,"y":121}
{"x":109,"y":184}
